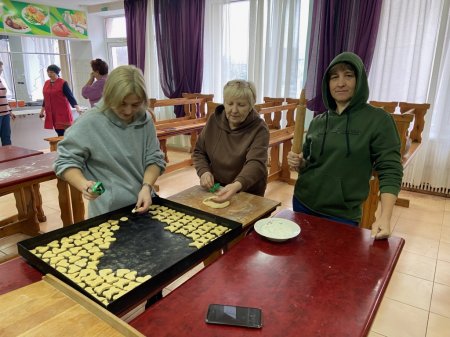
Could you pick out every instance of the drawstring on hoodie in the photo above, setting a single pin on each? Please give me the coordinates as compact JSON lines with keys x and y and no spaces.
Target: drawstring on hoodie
{"x":347,"y":137}
{"x":325,"y":133}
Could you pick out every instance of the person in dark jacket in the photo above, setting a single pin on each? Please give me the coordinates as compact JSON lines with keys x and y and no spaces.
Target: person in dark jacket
{"x":232,"y":148}
{"x":343,"y":146}
{"x":57,"y":101}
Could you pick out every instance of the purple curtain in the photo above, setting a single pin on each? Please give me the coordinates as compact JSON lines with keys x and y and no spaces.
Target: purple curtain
{"x":338,"y":26}
{"x":179,"y":38}
{"x":136,"y":17}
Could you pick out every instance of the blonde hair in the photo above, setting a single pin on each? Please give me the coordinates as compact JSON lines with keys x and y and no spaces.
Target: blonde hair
{"x":122,"y":82}
{"x":240,"y":89}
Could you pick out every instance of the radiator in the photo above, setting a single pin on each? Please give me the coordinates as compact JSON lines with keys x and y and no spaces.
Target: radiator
{"x":427,"y":189}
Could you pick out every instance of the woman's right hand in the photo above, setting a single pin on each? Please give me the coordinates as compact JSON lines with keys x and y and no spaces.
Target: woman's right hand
{"x":42,"y":113}
{"x":295,"y":160}
{"x":207,"y":180}
{"x":87,"y":190}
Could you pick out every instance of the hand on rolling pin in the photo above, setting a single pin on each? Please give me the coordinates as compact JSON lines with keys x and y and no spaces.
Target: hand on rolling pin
{"x":227,"y":192}
{"x":87,"y":190}
{"x":295,"y":161}
{"x":207,"y":180}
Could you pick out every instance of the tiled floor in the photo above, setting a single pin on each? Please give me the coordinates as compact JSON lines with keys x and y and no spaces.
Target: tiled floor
{"x":417,"y":301}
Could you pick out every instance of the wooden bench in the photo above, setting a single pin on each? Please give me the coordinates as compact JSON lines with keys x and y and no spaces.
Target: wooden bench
{"x":410,"y":142}
{"x":206,"y":97}
{"x":189,"y":124}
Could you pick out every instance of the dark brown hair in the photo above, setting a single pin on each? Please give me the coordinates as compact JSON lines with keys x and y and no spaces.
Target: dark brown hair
{"x":100,"y":66}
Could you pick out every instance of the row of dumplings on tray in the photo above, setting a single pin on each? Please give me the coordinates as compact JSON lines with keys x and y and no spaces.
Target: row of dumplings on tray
{"x":77,"y":257}
{"x":198,"y":230}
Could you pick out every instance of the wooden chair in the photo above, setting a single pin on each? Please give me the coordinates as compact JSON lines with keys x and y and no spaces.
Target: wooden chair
{"x":387,"y":106}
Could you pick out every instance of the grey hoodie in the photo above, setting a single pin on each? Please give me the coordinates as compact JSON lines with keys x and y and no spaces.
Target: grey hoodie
{"x":110,"y":151}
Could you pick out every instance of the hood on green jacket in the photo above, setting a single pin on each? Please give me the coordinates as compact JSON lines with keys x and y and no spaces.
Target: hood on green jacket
{"x":361,"y":94}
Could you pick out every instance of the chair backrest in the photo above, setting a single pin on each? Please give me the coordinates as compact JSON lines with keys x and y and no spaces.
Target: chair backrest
{"x":276,"y":100}
{"x":387,"y":106}
{"x":191,"y":103}
{"x":403,"y":121}
{"x":420,"y":109}
{"x":206,"y":97}
{"x":210,"y":108}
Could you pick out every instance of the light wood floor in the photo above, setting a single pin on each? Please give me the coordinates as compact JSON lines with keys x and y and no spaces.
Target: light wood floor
{"x":417,"y":301}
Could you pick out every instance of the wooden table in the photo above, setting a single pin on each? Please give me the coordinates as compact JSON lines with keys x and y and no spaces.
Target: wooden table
{"x":22,"y":176}
{"x":245,"y":208}
{"x":329,"y":281}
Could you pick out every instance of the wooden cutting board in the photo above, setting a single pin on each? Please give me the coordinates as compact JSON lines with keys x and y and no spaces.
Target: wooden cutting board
{"x":244,"y":208}
{"x":51,"y":308}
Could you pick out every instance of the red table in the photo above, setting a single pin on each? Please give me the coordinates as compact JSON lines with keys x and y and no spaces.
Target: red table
{"x":11,"y":152}
{"x":22,"y":176}
{"x":17,"y":273}
{"x":328,"y":281}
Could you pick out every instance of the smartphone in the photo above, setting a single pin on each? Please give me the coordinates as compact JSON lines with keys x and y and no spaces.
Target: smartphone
{"x":234,"y":315}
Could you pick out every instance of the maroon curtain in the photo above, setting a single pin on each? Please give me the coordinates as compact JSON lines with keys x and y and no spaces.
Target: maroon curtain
{"x":135,"y":17}
{"x":179,"y":38}
{"x":338,"y":26}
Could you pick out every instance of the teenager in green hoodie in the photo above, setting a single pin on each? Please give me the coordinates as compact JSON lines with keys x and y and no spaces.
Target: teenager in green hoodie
{"x":343,"y":146}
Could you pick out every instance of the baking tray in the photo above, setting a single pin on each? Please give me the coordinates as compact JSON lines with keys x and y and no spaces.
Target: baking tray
{"x":142,"y":245}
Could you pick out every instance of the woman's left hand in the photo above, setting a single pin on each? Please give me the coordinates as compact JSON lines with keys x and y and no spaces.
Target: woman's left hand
{"x":381,"y":229}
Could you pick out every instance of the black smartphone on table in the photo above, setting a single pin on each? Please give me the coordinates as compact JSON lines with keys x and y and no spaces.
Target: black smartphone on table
{"x":234,"y":315}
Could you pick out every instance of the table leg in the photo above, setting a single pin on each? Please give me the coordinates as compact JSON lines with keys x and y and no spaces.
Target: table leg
{"x":64,"y":202}
{"x":77,"y":204}
{"x":38,"y":198}
{"x":27,"y":221}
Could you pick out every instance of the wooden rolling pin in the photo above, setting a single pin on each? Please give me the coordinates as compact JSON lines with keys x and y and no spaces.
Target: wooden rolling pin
{"x":299,"y":124}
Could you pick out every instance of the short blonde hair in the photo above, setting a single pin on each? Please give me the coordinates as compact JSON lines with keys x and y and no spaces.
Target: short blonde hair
{"x":240,"y":89}
{"x":121,"y":82}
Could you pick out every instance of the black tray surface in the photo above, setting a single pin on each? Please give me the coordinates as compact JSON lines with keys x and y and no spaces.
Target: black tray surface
{"x":142,"y":245}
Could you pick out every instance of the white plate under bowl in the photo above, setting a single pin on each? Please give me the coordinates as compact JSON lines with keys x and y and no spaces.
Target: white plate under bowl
{"x":277,"y":229}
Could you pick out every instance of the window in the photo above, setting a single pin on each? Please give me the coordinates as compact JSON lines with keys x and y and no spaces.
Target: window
{"x":116,"y":40}
{"x":25,"y":61}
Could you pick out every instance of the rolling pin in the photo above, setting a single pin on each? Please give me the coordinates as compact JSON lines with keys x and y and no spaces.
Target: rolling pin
{"x":299,"y":128}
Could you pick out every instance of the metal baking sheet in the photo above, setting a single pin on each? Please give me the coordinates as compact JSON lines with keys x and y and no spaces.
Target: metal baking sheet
{"x":143,"y":245}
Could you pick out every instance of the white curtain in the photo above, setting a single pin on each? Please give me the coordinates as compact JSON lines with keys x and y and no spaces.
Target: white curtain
{"x":267,"y":46}
{"x":35,"y":65}
{"x":412,"y":63}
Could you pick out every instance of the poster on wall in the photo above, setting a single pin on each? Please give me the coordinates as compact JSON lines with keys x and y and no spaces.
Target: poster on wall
{"x":68,"y":23}
{"x":23,"y":18}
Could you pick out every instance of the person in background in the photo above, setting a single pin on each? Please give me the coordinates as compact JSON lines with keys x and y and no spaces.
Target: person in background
{"x":114,"y":143}
{"x":57,"y":101}
{"x":343,"y":146}
{"x":232,"y":148}
{"x":93,"y":89}
{"x":5,"y":114}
